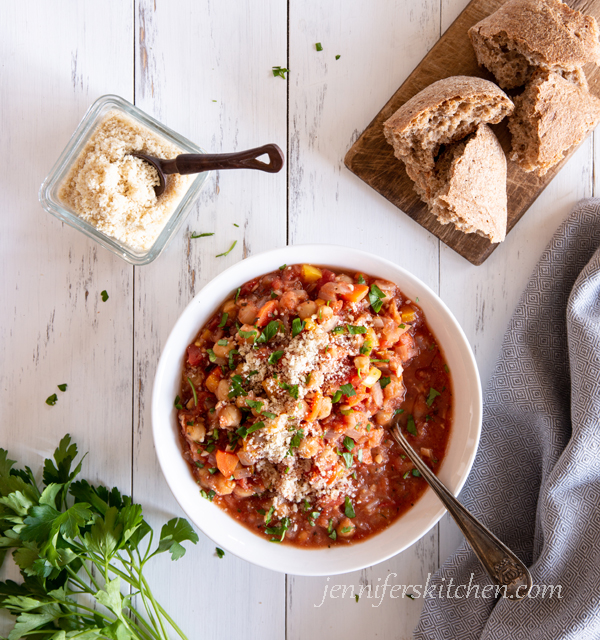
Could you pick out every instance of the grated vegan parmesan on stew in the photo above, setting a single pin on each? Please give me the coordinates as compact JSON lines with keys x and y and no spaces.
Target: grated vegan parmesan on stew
{"x":114,"y":191}
{"x":286,"y":396}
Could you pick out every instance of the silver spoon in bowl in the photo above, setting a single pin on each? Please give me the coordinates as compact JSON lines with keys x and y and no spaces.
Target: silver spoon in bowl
{"x":500,"y":563}
{"x":187,"y":163}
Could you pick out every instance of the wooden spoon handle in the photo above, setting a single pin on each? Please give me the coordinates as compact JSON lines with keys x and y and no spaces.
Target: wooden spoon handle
{"x":195,"y":163}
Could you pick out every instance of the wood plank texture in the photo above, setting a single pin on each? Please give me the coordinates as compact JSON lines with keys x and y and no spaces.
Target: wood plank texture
{"x":54,"y":326}
{"x":372,"y":159}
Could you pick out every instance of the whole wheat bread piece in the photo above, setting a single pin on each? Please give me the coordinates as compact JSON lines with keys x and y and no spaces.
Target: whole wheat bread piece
{"x":525,"y":35}
{"x":550,"y":117}
{"x":468,"y":186}
{"x":440,"y":114}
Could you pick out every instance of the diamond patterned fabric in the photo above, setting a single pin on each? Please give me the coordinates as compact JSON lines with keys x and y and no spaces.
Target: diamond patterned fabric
{"x":536,"y":478}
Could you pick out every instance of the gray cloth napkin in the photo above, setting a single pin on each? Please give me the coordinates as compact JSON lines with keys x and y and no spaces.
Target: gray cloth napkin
{"x":536,"y":478}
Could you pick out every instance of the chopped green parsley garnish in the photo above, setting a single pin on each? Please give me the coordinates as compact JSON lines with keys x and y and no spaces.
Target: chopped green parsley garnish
{"x":416,"y":473}
{"x":255,"y":427}
{"x":297,"y":326}
{"x":348,"y":443}
{"x":405,"y":476}
{"x":211,"y":355}
{"x":224,"y":318}
{"x":282,"y":267}
{"x":237,"y":293}
{"x":433,"y":394}
{"x":337,"y":58}
{"x":270,"y":332}
{"x":247,"y":334}
{"x":194,"y":235}
{"x":226,"y":253}
{"x":410,"y":426}
{"x":194,"y":392}
{"x":104,"y":295}
{"x":337,"y":396}
{"x":360,"y":455}
{"x":269,"y":514}
{"x":376,"y":297}
{"x":346,"y":529}
{"x":209,"y":496}
{"x":279,"y":531}
{"x":398,"y":411}
{"x":318,"y":46}
{"x":236,"y":225}
{"x":446,"y":368}
{"x":296,"y":440}
{"x":220,"y":552}
{"x":177,"y":404}
{"x":340,"y":329}
{"x":236,"y":387}
{"x":232,"y":353}
{"x":292,"y":389}
{"x":347,"y":459}
{"x":275,"y":357}
{"x":353,"y":330}
{"x":62,"y":387}
{"x":223,"y":343}
{"x":280,"y":71}
{"x":269,"y":415}
{"x":348,"y":390}
{"x":401,"y":326}
{"x":348,"y":508}
{"x":383,"y":382}
{"x":212,"y":471}
{"x":346,"y":412}
{"x":51,"y":400}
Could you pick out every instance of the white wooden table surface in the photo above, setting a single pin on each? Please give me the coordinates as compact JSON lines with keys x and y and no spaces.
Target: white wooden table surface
{"x":203,"y":67}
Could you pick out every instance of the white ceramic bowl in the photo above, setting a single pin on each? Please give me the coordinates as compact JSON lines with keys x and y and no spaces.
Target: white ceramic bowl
{"x":415,"y":523}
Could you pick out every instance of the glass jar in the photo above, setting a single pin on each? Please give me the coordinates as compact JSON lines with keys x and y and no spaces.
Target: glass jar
{"x":49,"y":191}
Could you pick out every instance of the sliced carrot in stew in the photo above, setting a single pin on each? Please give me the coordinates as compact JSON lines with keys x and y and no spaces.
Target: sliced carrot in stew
{"x":226,"y":462}
{"x":266,"y":313}
{"x":315,"y":407}
{"x":358,"y":292}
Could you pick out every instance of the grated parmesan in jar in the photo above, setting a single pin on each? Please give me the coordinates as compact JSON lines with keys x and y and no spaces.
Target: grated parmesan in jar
{"x":114,"y":191}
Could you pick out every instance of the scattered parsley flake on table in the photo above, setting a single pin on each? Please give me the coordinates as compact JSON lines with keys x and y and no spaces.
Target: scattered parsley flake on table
{"x":226,"y":253}
{"x":62,"y":387}
{"x":195,"y":235}
{"x":104,"y":295}
{"x":280,"y":72}
{"x":51,"y":400}
{"x":338,"y":57}
{"x":318,"y":46}
{"x":220,"y":552}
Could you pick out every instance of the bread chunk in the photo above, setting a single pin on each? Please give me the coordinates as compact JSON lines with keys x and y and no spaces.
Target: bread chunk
{"x":468,"y":187}
{"x":525,"y":35}
{"x":442,"y":113}
{"x":551,"y":116}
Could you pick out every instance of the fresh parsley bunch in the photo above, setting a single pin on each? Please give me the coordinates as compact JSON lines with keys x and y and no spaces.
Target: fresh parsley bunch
{"x":76,"y":545}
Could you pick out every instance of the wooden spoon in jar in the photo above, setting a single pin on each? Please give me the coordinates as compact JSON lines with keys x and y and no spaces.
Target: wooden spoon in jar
{"x":187,"y":163}
{"x":500,"y":563}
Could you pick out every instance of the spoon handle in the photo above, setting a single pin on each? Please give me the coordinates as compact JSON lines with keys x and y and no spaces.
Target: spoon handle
{"x":196,"y":162}
{"x":501,"y":564}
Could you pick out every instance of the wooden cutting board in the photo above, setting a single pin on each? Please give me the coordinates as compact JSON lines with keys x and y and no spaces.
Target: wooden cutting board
{"x":372,"y":159}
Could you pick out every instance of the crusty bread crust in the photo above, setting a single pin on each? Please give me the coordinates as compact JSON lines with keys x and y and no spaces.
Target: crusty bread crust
{"x":523,"y":35}
{"x":470,"y":190}
{"x":443,"y":112}
{"x":551,"y":116}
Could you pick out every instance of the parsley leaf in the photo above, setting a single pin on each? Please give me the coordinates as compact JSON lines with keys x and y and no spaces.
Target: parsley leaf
{"x":62,"y":387}
{"x":297,"y":326}
{"x":384,"y":381}
{"x":104,"y":295}
{"x":410,"y":426}
{"x":348,"y":443}
{"x":349,"y":508}
{"x":354,"y":330}
{"x":51,"y":400}
{"x":226,"y":253}
{"x":292,"y":389}
{"x":177,"y":403}
{"x":279,"y":531}
{"x":275,"y":357}
{"x":269,"y":332}
{"x":195,"y":235}
{"x":337,"y":396}
{"x":347,"y":459}
{"x":348,"y":390}
{"x":220,"y":552}
{"x":280,"y":71}
{"x":433,"y":394}
{"x":224,"y":318}
{"x":376,"y":297}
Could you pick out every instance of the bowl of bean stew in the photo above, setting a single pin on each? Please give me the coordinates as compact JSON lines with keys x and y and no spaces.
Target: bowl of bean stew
{"x":273,"y":399}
